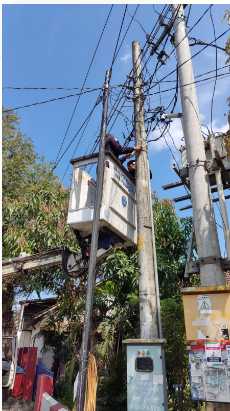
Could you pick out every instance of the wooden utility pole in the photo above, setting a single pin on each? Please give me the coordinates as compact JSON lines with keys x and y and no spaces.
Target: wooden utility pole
{"x":207,"y":241}
{"x":83,"y":367}
{"x":147,"y":286}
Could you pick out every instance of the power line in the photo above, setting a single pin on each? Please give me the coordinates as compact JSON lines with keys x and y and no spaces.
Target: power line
{"x":221,"y":35}
{"x":86,"y":124}
{"x":194,"y":82}
{"x":57,"y":162}
{"x":126,"y":31}
{"x":47,"y":88}
{"x":200,"y":85}
{"x":114,"y":55}
{"x":199,"y":75}
{"x":124,"y":92}
{"x":85,"y":79}
{"x":216,"y":68}
{"x":77,"y":133}
{"x":91,"y":90}
{"x":53,"y":99}
{"x":176,"y":12}
{"x":181,"y":40}
{"x":185,"y":35}
{"x":192,"y":56}
{"x":156,"y":69}
{"x":160,"y":14}
{"x":136,"y":20}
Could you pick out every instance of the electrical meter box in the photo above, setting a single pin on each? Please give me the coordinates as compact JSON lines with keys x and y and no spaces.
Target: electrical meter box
{"x":118,"y":207}
{"x":146,"y":380}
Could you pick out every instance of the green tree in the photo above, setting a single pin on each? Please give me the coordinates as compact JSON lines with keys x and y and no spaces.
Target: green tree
{"x":176,"y":355}
{"x":34,"y":211}
{"x":22,"y":169}
{"x":34,"y":219}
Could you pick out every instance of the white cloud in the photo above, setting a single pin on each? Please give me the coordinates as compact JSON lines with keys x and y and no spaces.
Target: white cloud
{"x":202,"y":116}
{"x":176,"y":133}
{"x":204,"y":97}
{"x":176,"y":141}
{"x":212,"y":56}
{"x":220,"y":129}
{"x":126,"y":57}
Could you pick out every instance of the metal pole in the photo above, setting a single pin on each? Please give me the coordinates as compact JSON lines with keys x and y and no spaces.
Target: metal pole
{"x":223,"y":209}
{"x":93,"y":255}
{"x":147,"y":286}
{"x":204,"y":218}
{"x":203,"y":212}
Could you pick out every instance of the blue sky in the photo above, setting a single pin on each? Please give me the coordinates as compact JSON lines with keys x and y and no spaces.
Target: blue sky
{"x":52,"y":46}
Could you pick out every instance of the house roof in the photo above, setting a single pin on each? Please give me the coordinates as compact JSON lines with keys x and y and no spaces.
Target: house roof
{"x":35,"y":310}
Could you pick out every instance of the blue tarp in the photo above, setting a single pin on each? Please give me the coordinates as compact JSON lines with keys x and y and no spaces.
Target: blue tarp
{"x":20,"y":370}
{"x":40,"y":369}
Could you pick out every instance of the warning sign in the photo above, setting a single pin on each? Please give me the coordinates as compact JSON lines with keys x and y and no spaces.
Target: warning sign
{"x":213,"y":353}
{"x":204,"y":304}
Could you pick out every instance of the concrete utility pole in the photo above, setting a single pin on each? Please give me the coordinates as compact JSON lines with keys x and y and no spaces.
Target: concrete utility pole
{"x":203,"y":212}
{"x":147,"y":286}
{"x":93,"y":255}
{"x":204,"y":218}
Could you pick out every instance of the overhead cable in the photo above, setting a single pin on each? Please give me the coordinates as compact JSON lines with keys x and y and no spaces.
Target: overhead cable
{"x":188,"y":84}
{"x":85,"y":80}
{"x":200,"y":18}
{"x":173,"y":71}
{"x":114,"y":55}
{"x":214,"y":88}
{"x":91,"y":90}
{"x":126,"y":32}
{"x":136,"y":20}
{"x":53,"y":99}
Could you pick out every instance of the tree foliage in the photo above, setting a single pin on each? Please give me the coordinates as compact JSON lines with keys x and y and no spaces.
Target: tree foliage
{"x":171,"y":236}
{"x":22,"y":168}
{"x":34,"y":220}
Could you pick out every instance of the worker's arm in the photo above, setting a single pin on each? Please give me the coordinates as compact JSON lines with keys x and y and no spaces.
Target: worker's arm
{"x":116,"y":147}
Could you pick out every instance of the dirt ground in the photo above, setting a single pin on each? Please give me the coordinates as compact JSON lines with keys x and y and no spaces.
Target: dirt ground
{"x":17,"y":405}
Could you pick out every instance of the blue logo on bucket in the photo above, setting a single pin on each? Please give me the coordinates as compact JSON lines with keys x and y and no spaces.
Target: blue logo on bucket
{"x":124,"y":201}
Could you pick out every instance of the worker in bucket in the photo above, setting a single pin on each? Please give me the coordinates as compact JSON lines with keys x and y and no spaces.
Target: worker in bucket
{"x":112,"y":144}
{"x":131,"y":165}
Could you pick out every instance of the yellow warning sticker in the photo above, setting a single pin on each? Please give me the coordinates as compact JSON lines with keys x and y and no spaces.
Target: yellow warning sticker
{"x":140,"y":242}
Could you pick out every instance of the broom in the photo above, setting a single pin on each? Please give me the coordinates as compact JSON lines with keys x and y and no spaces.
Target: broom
{"x":91,"y":386}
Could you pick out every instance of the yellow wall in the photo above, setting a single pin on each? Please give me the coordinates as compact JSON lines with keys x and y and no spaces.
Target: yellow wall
{"x":207,"y":324}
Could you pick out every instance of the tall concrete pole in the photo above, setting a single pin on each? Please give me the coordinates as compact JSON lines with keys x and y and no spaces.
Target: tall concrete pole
{"x":203,"y":213}
{"x":83,"y":367}
{"x":204,"y":218}
{"x":147,"y":286}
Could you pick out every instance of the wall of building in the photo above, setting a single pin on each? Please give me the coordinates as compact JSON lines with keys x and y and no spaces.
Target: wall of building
{"x":24,"y":338}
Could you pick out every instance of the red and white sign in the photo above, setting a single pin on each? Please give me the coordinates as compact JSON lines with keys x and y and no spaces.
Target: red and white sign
{"x":213,"y":353}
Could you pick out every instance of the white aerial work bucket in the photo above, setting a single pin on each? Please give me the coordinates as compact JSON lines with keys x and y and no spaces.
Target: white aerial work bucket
{"x":118,"y":208}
